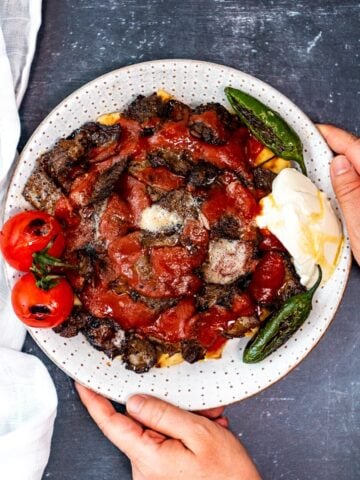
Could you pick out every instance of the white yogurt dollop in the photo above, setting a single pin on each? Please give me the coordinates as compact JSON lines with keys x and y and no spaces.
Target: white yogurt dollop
{"x":301,"y":217}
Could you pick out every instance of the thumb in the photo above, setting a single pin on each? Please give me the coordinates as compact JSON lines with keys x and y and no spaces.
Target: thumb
{"x":167,"y":419}
{"x":346,"y":184}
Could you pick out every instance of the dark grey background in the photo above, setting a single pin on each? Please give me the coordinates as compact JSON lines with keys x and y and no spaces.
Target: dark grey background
{"x":306,"y":426}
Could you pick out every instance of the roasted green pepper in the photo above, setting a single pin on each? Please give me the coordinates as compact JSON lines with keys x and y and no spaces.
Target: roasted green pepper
{"x":267,"y":126}
{"x":281,"y":325}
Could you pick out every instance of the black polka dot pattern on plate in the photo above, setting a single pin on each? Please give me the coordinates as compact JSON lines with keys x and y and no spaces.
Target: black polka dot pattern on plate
{"x":209,"y":383}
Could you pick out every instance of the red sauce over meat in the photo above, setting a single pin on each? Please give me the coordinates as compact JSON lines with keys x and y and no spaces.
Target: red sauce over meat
{"x":171,"y":270}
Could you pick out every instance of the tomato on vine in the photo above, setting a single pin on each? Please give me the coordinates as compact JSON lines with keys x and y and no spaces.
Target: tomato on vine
{"x":28,"y":233}
{"x":43,"y":303}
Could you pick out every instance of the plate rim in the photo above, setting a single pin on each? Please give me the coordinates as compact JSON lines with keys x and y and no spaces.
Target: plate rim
{"x":249,"y":77}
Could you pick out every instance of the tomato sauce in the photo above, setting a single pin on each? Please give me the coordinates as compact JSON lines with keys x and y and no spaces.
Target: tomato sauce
{"x":254,"y":147}
{"x":161,"y":272}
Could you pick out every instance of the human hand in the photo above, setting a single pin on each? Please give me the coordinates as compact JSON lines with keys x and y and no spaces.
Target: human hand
{"x":164,"y":442}
{"x":345,"y":177}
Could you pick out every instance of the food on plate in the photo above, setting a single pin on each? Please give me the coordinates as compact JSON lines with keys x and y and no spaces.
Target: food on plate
{"x":159,"y":207}
{"x":268,"y":126}
{"x":27,"y":233}
{"x":42,"y":307}
{"x":281,"y":325}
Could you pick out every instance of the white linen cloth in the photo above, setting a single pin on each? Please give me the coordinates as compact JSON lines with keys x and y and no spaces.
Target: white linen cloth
{"x":28,"y":398}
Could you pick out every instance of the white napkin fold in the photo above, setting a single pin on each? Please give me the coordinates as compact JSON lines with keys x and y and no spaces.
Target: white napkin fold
{"x":27,"y":412}
{"x":28,"y":398}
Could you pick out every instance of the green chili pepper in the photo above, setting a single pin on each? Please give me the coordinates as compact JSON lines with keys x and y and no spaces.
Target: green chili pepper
{"x":267,"y":126}
{"x":281,"y":325}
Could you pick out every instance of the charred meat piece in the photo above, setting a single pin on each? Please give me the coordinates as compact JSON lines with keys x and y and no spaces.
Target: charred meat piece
{"x":144,"y":108}
{"x":227,"y":227}
{"x":84,"y":269}
{"x":292,"y":285}
{"x":105,"y":335}
{"x":97,"y":184}
{"x":263,"y":179}
{"x":93,"y":135}
{"x":240,"y":326}
{"x":73,"y":324}
{"x":88,"y":261}
{"x":138,"y":354}
{"x":208,"y":127}
{"x":68,"y":159}
{"x":181,"y":202}
{"x":99,"y":209}
{"x":192,"y":351}
{"x":84,"y":233}
{"x":230,"y":121}
{"x":177,"y":111}
{"x":106,"y":181}
{"x":212,"y":294}
{"x":156,"y":304}
{"x":64,"y":162}
{"x":202,"y":174}
{"x":42,"y":192}
{"x":164,"y":347}
{"x":177,"y":162}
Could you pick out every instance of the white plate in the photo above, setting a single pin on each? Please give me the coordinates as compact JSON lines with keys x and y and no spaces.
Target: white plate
{"x":209,"y":383}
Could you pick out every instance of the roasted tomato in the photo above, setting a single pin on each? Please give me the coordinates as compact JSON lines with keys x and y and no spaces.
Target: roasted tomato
{"x":27,"y":233}
{"x":41,"y":308}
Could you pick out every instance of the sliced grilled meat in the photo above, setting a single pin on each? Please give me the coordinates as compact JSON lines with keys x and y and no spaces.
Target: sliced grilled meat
{"x":99,"y":209}
{"x":202,"y":174}
{"x":240,"y":326}
{"x":212,"y":294}
{"x":156,"y":304}
{"x":138,"y":354}
{"x":88,"y":261}
{"x":106,"y":181}
{"x":181,"y":202}
{"x":86,"y":257}
{"x":229,"y":120}
{"x":227,"y":227}
{"x":208,"y":127}
{"x":64,"y":162}
{"x":105,"y":335}
{"x":164,"y":347}
{"x":94,"y":135}
{"x":41,"y":191}
{"x":263,"y":179}
{"x":84,"y":233}
{"x":177,"y":162}
{"x":292,"y":285}
{"x":69,"y":157}
{"x":177,"y":111}
{"x":73,"y":324}
{"x":144,"y":108}
{"x":192,"y":351}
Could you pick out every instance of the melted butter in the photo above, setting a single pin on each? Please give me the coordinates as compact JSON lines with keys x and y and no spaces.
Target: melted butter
{"x":315,"y":240}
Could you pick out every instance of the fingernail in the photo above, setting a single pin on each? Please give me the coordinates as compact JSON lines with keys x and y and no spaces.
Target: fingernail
{"x":340,"y":165}
{"x":135,"y":403}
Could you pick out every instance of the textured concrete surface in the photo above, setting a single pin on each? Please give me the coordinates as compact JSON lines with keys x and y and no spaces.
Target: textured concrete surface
{"x":306,"y":426}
